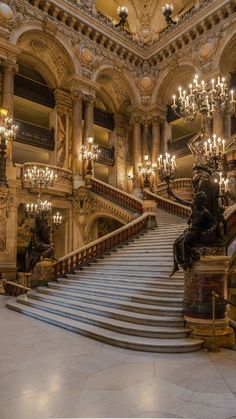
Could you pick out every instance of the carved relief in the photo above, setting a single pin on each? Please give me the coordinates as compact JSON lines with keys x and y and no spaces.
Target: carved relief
{"x":4,"y":207}
{"x":61,"y":138}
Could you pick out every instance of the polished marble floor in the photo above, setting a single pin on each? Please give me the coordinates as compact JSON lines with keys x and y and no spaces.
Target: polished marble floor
{"x":47,"y":372}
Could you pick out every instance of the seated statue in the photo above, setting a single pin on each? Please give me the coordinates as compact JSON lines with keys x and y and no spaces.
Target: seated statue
{"x":202,"y":231}
{"x":40,"y":245}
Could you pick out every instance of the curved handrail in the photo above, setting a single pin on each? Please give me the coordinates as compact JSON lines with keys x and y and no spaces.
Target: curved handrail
{"x":169,"y":205}
{"x":176,"y":184}
{"x":91,"y":251}
{"x":122,"y":197}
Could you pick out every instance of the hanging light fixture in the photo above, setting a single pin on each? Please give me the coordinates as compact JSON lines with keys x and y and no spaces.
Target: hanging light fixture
{"x":123,"y":13}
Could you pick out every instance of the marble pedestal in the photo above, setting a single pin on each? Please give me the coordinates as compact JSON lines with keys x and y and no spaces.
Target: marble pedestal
{"x":42,"y":273}
{"x":204,"y":276}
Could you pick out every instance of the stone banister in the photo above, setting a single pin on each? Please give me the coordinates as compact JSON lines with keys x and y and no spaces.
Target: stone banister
{"x":91,"y":251}
{"x":169,"y":205}
{"x":176,"y":184}
{"x":125,"y":199}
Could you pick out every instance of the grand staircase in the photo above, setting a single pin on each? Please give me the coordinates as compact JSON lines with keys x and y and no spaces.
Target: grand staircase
{"x":125,"y":298}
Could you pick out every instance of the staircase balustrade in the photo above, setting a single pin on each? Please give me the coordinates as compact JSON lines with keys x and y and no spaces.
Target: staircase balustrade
{"x":91,"y":251}
{"x":122,"y":197}
{"x":180,"y":183}
{"x":170,"y":206}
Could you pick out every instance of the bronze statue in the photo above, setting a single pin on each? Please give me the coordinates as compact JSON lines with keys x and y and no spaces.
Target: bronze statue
{"x":202,"y":231}
{"x":40,"y":245}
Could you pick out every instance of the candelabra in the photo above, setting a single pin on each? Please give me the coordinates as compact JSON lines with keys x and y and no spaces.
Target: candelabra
{"x":146,"y":169}
{"x":204,"y":99}
{"x":90,"y":152}
{"x":40,"y":178}
{"x":7,"y":133}
{"x":123,"y":13}
{"x":167,"y":11}
{"x":224,"y":191}
{"x":167,"y":168}
{"x":214,"y":153}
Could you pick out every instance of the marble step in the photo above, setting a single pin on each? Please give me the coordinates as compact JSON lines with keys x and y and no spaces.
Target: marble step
{"x":118,"y":294}
{"x":145,"y":270}
{"x":139,"y":275}
{"x":165,"y":292}
{"x":106,"y":322}
{"x":125,"y":315}
{"x":117,"y":303}
{"x":108,"y":279}
{"x":108,"y":336}
{"x":128,"y":262}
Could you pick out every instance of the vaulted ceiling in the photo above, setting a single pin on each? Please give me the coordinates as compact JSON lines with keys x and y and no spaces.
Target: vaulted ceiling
{"x":143,"y":12}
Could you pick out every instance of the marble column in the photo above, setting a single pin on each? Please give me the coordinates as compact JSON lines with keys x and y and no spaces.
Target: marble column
{"x":218,"y":125}
{"x":121,"y":124}
{"x":137,"y":154}
{"x":145,"y":139}
{"x":89,"y":117}
{"x":63,"y":155}
{"x":77,"y":133}
{"x":167,"y":136}
{"x":9,"y":69}
{"x":156,"y":148}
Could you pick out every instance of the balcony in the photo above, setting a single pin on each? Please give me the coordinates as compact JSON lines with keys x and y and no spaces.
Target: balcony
{"x":35,"y":135}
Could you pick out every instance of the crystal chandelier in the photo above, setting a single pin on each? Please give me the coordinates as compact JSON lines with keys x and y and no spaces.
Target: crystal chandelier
{"x":146,"y":169}
{"x":90,"y":152}
{"x":40,"y":177}
{"x":167,"y":168}
{"x":7,"y":133}
{"x":204,"y":99}
{"x":214,"y":153}
{"x":40,"y":207}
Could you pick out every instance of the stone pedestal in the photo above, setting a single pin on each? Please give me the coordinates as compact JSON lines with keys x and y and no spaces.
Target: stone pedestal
{"x":149,"y":206}
{"x":42,"y":273}
{"x":205,"y":276}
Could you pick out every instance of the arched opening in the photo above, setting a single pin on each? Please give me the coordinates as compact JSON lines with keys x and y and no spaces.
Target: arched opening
{"x":34,"y":104}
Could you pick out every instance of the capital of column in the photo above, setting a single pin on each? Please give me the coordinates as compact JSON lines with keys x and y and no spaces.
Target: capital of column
{"x":10,"y":66}
{"x":89,"y":100}
{"x":63,"y":99}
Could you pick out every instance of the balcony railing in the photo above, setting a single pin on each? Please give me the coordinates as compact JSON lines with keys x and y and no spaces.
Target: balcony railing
{"x":179,"y":147}
{"x":107,"y":155}
{"x":170,"y":206}
{"x":35,"y":135}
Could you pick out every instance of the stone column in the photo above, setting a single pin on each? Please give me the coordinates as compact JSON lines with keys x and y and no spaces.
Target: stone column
{"x":63,"y":155}
{"x":9,"y":69}
{"x":77,"y":134}
{"x":204,"y":276}
{"x":156,"y":148}
{"x":218,"y":125}
{"x":145,"y":139}
{"x":121,"y":124}
{"x":89,"y":117}
{"x":167,"y":136}
{"x":137,"y":154}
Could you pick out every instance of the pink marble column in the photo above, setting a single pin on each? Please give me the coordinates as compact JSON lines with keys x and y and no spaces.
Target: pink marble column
{"x":156,"y":148}
{"x":77,"y":133}
{"x":89,"y":117}
{"x":137,"y":154}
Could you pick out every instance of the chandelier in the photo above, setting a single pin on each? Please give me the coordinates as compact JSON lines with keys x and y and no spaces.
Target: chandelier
{"x":40,"y":207}
{"x":146,"y":169}
{"x":214,"y":153}
{"x":7,"y":133}
{"x":167,"y":168}
{"x":204,"y":99}
{"x":40,"y":177}
{"x":90,"y":152}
